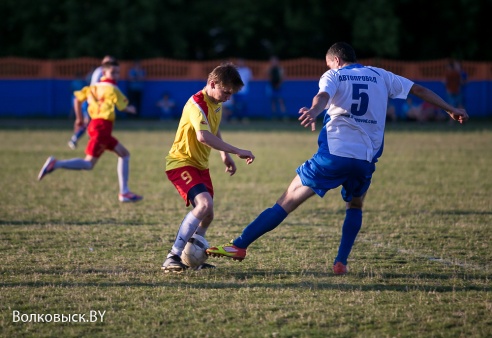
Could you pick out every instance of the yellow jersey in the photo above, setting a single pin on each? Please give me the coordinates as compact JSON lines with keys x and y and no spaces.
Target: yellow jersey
{"x":199,"y":113}
{"x":102,"y":98}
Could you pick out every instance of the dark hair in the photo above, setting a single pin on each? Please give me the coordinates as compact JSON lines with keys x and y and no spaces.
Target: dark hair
{"x":109,"y":64}
{"x":108,"y":58}
{"x":343,"y":51}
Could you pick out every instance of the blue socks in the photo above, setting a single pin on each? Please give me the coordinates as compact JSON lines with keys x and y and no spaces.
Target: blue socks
{"x":350,"y":229}
{"x":268,"y":220}
{"x":78,"y":134}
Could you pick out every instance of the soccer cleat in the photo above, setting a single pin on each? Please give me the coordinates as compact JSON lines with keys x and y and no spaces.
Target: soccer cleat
{"x":339,"y":268}
{"x":72,"y":145}
{"x":129,"y":197}
{"x":174,"y":264}
{"x":204,"y":266}
{"x":47,"y":168}
{"x":227,"y":250}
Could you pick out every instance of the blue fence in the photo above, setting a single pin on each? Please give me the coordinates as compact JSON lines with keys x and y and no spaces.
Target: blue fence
{"x":52,"y":98}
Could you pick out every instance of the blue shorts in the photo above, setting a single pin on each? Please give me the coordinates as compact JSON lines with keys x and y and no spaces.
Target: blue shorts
{"x":85,"y":107}
{"x":324,"y":172}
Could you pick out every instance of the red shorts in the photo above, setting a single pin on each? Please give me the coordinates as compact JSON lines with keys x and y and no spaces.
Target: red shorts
{"x":100,"y":138}
{"x":185,"y":178}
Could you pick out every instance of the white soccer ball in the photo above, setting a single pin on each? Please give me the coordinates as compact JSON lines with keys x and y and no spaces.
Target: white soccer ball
{"x":194,"y":252}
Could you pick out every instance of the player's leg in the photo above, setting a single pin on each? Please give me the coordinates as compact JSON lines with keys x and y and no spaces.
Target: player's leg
{"x":195,"y":187}
{"x":202,"y":214}
{"x":200,"y":217}
{"x":123,"y":170}
{"x":52,"y":164}
{"x":350,"y":229}
{"x":353,"y":193}
{"x":268,"y":220}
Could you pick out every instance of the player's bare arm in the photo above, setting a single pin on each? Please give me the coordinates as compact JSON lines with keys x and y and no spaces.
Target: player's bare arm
{"x":308,"y":115}
{"x":79,"y":117}
{"x":130,"y":109}
{"x":227,"y":159}
{"x":457,"y":114}
{"x":214,"y":142}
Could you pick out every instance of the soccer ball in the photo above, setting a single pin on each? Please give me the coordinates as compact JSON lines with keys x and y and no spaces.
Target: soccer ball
{"x":194,"y":252}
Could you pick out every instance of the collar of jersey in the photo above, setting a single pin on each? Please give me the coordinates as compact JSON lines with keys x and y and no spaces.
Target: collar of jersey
{"x":108,"y":81}
{"x":352,"y":66}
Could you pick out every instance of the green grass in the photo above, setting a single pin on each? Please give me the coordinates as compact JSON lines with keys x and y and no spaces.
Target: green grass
{"x":419,"y":268}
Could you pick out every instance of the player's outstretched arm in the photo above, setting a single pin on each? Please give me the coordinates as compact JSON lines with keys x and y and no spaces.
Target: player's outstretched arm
{"x":308,"y":115}
{"x":130,"y":109}
{"x":217,"y":143}
{"x":457,"y":114}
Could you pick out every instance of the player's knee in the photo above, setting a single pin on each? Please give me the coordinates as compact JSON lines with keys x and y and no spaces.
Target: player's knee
{"x":89,"y":165}
{"x":205,"y":208}
{"x":355,"y":203}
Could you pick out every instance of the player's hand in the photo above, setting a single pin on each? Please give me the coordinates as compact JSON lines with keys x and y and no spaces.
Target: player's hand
{"x":231,"y":169}
{"x":246,"y":155}
{"x":131,"y":109}
{"x":307,"y":118}
{"x":230,"y":165}
{"x":79,"y":123}
{"x":459,"y":115}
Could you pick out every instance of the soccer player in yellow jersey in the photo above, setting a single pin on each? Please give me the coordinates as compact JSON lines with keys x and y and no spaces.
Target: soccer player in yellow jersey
{"x":103,"y":98}
{"x":187,"y":162}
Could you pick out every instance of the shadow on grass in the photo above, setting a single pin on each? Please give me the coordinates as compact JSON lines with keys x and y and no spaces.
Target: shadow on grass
{"x":112,"y":221}
{"x":253,"y":125}
{"x":267,"y":285}
{"x":78,"y":223}
{"x":270,"y":280}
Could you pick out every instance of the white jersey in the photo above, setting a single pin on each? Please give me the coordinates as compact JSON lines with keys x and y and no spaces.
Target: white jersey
{"x":357,"y":108}
{"x":246,"y":76}
{"x":96,"y":75}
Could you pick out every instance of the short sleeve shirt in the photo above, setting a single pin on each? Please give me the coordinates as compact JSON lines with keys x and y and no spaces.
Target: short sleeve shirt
{"x":357,"y":109}
{"x":199,"y":113}
{"x":102,"y":98}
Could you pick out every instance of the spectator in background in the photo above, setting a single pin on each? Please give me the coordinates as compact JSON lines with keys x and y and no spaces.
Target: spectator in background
{"x":228,"y":110}
{"x":431,"y":112}
{"x":166,"y":107}
{"x":240,"y":99}
{"x":391,"y":112}
{"x":425,"y":112}
{"x":411,"y":110}
{"x":95,"y":77}
{"x":136,"y":77}
{"x":464,"y":80}
{"x":454,"y":82}
{"x":274,"y":89}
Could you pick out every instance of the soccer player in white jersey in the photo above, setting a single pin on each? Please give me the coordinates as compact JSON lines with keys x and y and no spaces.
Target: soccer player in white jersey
{"x":350,"y":143}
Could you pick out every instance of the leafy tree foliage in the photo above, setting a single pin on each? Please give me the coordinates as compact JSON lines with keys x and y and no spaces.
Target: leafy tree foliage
{"x":252,"y":29}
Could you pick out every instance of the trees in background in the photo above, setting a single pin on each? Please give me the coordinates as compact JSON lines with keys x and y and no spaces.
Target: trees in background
{"x":251,"y":29}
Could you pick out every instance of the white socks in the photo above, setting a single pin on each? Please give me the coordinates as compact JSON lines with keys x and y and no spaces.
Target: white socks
{"x":123,"y":169}
{"x":186,"y":230}
{"x":74,"y":164}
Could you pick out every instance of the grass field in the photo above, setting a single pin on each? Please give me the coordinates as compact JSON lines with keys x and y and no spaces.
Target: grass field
{"x":421,"y":266}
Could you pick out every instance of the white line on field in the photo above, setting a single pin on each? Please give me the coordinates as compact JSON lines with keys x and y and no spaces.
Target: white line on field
{"x":431,"y":258}
{"x":443,"y":261}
